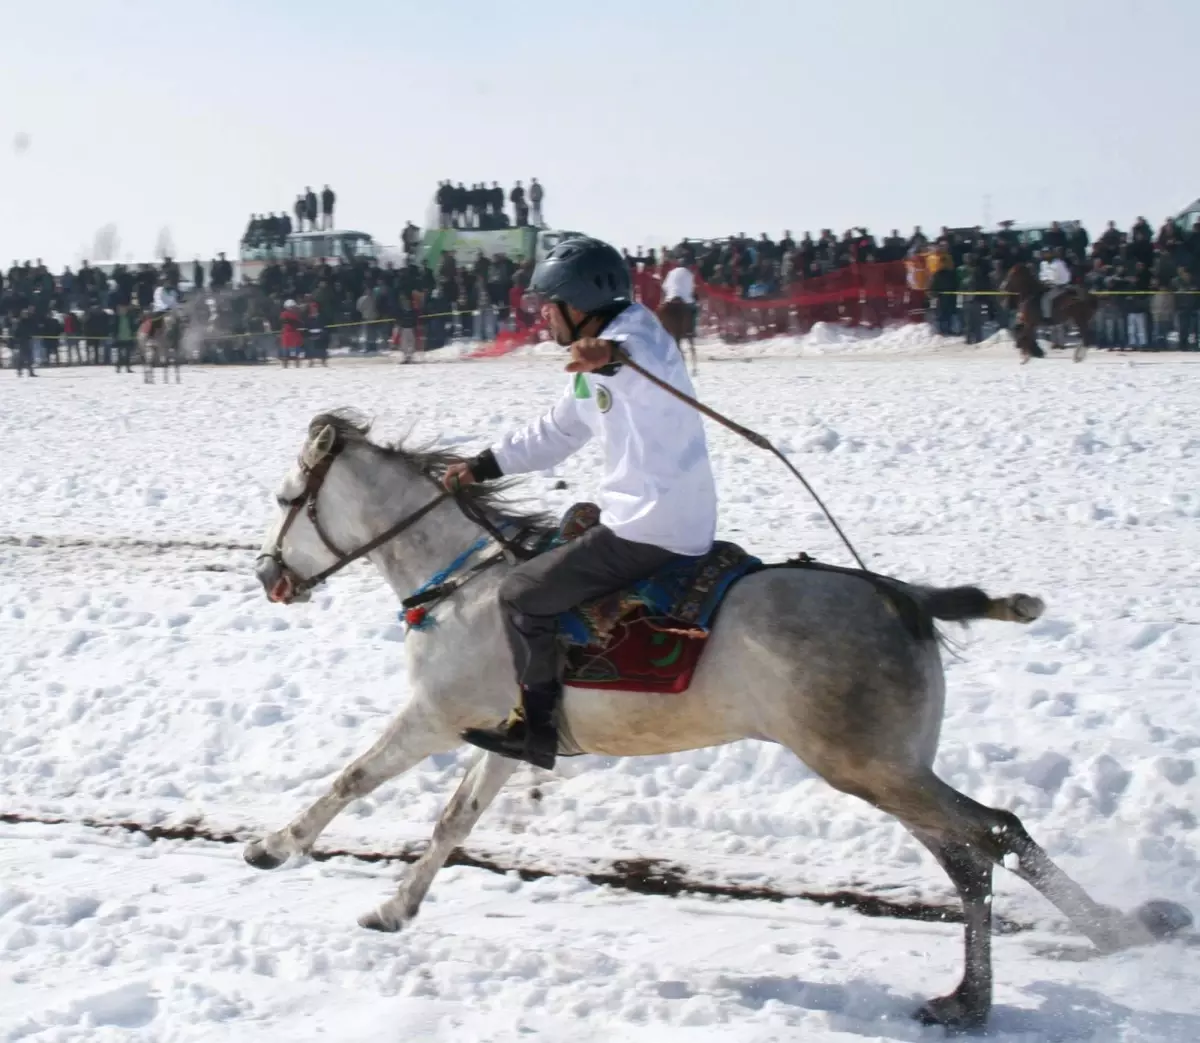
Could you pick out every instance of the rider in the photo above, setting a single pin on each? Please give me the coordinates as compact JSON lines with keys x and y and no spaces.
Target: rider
{"x":1053,"y":274}
{"x":658,"y":497}
{"x":680,"y":285}
{"x":165,"y":300}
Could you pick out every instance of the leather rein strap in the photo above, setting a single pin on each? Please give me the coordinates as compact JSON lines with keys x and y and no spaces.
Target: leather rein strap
{"x":403,"y":524}
{"x":307,"y":501}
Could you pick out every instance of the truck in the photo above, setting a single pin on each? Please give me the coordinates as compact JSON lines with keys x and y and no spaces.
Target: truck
{"x":466,"y":244}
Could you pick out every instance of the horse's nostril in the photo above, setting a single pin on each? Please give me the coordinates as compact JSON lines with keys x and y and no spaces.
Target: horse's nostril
{"x":268,"y":572}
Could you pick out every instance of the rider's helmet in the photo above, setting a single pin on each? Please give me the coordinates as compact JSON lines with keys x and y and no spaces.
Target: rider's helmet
{"x":584,"y":273}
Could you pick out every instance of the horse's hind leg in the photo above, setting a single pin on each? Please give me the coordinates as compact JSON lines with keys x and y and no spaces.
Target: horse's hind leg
{"x":962,"y":833}
{"x":409,"y":739}
{"x":476,"y":791}
{"x":1001,"y":837}
{"x":968,"y":1006}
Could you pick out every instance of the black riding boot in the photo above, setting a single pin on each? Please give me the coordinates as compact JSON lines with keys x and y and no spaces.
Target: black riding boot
{"x":529,"y":734}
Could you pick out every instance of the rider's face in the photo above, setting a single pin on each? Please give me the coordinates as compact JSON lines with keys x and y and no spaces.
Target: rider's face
{"x":553,"y":316}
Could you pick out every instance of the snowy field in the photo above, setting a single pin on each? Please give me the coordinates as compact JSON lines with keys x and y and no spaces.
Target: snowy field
{"x":146,"y":679}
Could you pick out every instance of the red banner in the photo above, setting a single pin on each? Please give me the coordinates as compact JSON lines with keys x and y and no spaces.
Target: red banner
{"x":860,"y":295}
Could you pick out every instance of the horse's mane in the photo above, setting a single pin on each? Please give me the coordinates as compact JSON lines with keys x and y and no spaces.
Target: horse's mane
{"x":354,"y":428}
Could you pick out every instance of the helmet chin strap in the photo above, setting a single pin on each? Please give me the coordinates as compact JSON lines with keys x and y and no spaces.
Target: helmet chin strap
{"x":576,"y":328}
{"x":572,"y":329}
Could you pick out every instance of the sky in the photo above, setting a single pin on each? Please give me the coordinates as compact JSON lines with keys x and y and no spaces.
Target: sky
{"x":646,"y":121}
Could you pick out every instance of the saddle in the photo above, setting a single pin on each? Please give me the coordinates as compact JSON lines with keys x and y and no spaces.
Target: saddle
{"x":648,"y":637}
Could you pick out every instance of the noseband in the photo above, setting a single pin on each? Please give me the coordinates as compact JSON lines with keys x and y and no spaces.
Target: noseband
{"x":314,"y":478}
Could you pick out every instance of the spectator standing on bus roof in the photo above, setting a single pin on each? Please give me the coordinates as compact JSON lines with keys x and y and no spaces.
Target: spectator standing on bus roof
{"x":327,"y":201}
{"x":520,"y":208}
{"x":536,"y":195}
{"x":310,"y":208}
{"x":445,"y":203}
{"x":298,"y":210}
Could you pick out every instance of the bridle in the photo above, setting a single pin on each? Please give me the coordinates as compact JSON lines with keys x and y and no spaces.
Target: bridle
{"x":314,"y":478}
{"x":306,"y":501}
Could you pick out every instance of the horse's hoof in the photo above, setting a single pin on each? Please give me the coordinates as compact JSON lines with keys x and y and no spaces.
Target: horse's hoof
{"x":1163,"y":919}
{"x":953,"y":1014}
{"x":256,"y":854}
{"x":1026,"y":608}
{"x":376,"y":921}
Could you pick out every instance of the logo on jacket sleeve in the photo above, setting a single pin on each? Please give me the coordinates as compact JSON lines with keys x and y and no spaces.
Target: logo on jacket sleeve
{"x":603,"y":398}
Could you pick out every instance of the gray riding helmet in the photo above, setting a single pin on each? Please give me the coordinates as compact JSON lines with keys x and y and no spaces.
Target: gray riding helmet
{"x":585,"y":273}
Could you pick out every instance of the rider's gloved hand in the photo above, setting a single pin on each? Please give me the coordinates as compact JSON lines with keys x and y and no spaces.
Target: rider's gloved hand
{"x":468,"y":472}
{"x":458,"y":475}
{"x":590,"y":353}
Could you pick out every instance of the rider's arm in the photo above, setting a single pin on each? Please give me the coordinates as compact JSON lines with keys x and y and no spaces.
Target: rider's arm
{"x":538,"y":446}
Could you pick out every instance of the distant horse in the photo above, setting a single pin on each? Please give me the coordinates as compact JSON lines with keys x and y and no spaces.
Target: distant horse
{"x":159,"y":339}
{"x":1073,"y":304}
{"x":679,"y":319}
{"x":838,"y":666}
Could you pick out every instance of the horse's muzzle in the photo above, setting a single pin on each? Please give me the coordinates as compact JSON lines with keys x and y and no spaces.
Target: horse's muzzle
{"x":276,"y":580}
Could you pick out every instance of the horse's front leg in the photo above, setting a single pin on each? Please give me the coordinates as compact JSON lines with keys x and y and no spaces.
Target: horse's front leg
{"x":414,"y":735}
{"x":476,"y":791}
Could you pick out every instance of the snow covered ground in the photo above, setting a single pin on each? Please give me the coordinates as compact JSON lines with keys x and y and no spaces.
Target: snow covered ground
{"x":145,"y":678}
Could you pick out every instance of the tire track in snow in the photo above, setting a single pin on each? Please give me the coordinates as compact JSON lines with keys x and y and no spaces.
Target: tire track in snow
{"x":34,"y":542}
{"x":644,"y":876}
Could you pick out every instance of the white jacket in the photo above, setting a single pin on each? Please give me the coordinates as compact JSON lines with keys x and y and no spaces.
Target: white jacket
{"x":680,"y":283}
{"x":1054,"y":273}
{"x":165,"y":299}
{"x":658,"y":484}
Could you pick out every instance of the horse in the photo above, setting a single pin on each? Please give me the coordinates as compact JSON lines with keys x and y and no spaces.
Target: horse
{"x":159,"y":343}
{"x":1074,"y":304}
{"x":679,"y":319}
{"x":821,"y":661}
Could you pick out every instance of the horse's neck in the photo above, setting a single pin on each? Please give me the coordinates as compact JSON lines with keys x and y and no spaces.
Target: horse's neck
{"x":408,"y":561}
{"x":433,"y":544}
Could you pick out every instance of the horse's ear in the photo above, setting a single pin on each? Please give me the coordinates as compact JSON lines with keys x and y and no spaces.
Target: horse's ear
{"x":321,"y":446}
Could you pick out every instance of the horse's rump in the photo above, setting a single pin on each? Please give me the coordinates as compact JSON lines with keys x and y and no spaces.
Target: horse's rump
{"x":678,"y":317}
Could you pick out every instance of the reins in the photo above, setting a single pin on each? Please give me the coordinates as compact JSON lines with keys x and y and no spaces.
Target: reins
{"x":512,"y":550}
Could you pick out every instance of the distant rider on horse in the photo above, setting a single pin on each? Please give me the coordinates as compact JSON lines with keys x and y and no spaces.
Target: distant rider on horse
{"x":680,"y":285}
{"x":658,"y":497}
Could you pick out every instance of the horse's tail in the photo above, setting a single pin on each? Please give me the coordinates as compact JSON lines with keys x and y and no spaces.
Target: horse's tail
{"x":963,"y":604}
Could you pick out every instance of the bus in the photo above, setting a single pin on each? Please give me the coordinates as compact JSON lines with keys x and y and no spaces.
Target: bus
{"x":333,"y":247}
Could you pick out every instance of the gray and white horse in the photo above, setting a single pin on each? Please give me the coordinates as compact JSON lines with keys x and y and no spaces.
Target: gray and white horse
{"x":816,"y":661}
{"x":162,"y":348}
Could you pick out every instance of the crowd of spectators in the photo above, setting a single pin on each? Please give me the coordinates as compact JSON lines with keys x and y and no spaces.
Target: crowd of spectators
{"x":482,"y":208}
{"x":1148,"y":280}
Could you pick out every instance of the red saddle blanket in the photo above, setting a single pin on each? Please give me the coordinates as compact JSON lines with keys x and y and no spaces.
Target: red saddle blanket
{"x":642,"y":654}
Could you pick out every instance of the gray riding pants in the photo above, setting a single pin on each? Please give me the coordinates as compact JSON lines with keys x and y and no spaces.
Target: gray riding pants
{"x":536,"y":592}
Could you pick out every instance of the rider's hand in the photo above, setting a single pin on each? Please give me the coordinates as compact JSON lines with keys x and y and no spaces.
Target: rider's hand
{"x":590,"y":353}
{"x":458,"y":475}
